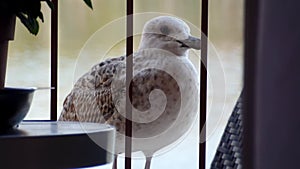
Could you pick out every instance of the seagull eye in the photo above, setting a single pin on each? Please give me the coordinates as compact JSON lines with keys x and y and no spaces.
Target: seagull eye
{"x":164,"y":30}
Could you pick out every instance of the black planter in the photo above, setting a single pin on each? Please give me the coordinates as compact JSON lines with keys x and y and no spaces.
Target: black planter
{"x":14,"y":106}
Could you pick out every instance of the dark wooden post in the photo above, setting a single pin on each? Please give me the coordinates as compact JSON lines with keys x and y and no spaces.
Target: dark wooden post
{"x":7,"y":32}
{"x":272,"y":81}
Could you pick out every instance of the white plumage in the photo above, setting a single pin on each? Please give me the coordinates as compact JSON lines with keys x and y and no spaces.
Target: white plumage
{"x":165,"y":89}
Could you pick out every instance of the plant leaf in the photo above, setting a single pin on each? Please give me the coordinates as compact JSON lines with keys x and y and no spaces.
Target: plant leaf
{"x":88,"y":3}
{"x":50,"y":4}
{"x":41,"y":16}
{"x":30,"y":23}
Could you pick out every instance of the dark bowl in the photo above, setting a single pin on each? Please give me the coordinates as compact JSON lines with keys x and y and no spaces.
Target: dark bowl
{"x":14,"y":105}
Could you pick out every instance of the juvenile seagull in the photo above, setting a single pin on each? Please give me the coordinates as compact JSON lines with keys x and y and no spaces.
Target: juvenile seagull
{"x":164,"y":90}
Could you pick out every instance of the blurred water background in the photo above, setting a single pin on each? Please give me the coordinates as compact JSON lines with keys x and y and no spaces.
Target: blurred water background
{"x":29,"y":59}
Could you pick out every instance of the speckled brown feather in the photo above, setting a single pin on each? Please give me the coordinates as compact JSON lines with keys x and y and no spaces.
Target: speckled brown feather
{"x":91,"y":98}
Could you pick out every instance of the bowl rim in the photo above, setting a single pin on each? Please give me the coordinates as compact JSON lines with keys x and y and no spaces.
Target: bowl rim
{"x":19,"y":89}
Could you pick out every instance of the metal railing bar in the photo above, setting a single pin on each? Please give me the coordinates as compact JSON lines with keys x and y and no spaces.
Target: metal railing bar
{"x":129,"y":75}
{"x":203,"y":84}
{"x":54,"y":53}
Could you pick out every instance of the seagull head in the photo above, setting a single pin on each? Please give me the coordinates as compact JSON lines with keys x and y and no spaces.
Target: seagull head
{"x":168,"y":33}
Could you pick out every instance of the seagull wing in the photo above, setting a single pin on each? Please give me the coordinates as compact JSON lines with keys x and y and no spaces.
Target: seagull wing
{"x":91,"y":98}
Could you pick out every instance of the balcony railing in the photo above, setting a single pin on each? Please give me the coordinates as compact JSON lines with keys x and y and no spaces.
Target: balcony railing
{"x":129,"y":61}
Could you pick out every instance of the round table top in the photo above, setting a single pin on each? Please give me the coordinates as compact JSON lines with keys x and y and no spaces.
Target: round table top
{"x":42,"y":129}
{"x":56,"y":145}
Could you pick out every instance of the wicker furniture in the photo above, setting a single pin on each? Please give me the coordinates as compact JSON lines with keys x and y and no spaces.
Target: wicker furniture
{"x":229,"y":152}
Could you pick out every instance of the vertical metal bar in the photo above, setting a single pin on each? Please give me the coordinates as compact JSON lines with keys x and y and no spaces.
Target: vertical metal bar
{"x":54,"y":47}
{"x":250,"y":51}
{"x":129,"y":75}
{"x":203,"y":83}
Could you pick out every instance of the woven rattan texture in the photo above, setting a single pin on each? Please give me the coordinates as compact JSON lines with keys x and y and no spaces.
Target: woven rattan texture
{"x":229,"y":152}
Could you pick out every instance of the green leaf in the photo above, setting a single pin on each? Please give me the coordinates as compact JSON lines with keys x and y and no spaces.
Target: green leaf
{"x":41,"y":16}
{"x":50,"y":4}
{"x":88,"y":3}
{"x":30,"y":23}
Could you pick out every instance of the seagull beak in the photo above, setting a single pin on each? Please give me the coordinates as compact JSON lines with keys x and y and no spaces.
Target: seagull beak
{"x":192,"y":42}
